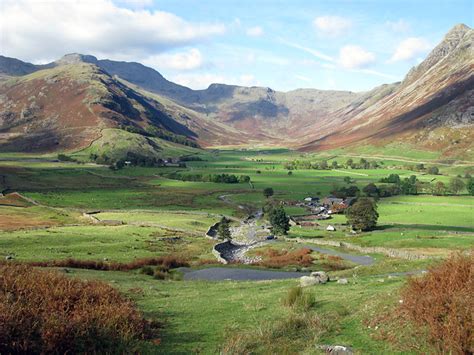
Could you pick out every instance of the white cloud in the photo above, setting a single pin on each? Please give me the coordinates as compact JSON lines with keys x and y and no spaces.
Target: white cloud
{"x":200,"y":81}
{"x":398,"y":26}
{"x":189,"y":60}
{"x":332,"y":25}
{"x":303,"y":78}
{"x":48,"y":29}
{"x":355,"y":57}
{"x":256,"y":31}
{"x":311,"y":51}
{"x":410,"y":48}
{"x":135,"y":4}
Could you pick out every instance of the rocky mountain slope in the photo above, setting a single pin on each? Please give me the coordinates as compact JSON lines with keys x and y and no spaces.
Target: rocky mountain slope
{"x":68,"y":101}
{"x":433,"y":107}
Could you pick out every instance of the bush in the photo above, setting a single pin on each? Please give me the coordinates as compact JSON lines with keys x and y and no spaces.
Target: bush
{"x":168,"y":262}
{"x":298,"y":298}
{"x":276,"y":259}
{"x":442,"y":302}
{"x":46,"y":312}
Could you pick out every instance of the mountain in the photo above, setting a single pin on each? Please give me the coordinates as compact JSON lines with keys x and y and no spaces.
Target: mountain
{"x":432,"y":108}
{"x":66,"y":106}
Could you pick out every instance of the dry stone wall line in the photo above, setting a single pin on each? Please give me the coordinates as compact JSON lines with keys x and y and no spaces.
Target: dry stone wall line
{"x":393,"y":253}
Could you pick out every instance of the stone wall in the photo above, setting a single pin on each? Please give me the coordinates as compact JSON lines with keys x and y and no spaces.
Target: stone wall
{"x":394,"y":253}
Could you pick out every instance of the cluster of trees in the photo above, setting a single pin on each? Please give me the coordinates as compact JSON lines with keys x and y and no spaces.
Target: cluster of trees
{"x":432,"y":170}
{"x":324,"y":165}
{"x":217,"y":178}
{"x":413,"y":186}
{"x":134,"y":159}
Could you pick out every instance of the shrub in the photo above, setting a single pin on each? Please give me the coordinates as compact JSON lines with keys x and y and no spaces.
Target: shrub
{"x":275,"y":259}
{"x":168,"y":262}
{"x":298,"y":298}
{"x":46,"y":312}
{"x":160,"y":275}
{"x":442,"y":302}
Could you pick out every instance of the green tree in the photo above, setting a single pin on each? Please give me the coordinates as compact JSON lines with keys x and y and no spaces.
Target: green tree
{"x":267,"y":192}
{"x":470,"y":186}
{"x":433,"y":170}
{"x":371,"y":190}
{"x":323,"y":165}
{"x":456,"y":185}
{"x":279,"y":220}
{"x":334,"y":164}
{"x":223,"y":229}
{"x":347,"y":179}
{"x":350,"y":163}
{"x":363,"y":215}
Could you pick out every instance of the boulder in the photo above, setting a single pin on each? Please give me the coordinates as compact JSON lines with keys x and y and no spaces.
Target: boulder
{"x":342,"y":281}
{"x":321,"y":276}
{"x":331,"y":228}
{"x":308,"y":281}
{"x":336,"y":349}
{"x":9,"y":257}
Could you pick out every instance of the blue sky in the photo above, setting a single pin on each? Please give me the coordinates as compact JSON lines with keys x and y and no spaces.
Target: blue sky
{"x":341,"y":45}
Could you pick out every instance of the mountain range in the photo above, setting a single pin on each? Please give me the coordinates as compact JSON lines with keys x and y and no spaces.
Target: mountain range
{"x":65,"y":105}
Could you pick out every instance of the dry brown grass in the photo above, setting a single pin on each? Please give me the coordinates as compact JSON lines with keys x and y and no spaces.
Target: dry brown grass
{"x":166,"y":262}
{"x":46,"y":312}
{"x":280,"y":258}
{"x":442,"y":301}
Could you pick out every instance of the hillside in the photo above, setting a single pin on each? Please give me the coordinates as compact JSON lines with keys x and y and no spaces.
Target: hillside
{"x":66,"y":108}
{"x":432,"y":108}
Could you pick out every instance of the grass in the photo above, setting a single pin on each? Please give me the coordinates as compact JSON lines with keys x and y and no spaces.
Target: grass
{"x":119,"y":243}
{"x":169,"y":217}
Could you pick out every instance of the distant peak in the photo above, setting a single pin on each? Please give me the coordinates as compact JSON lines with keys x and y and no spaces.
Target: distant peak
{"x":72,"y":58}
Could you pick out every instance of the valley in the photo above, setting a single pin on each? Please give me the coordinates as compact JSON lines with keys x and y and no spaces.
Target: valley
{"x":79,"y":215}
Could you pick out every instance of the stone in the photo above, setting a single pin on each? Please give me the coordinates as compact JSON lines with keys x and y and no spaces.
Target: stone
{"x":342,"y":281}
{"x":330,"y":228}
{"x":336,"y":349}
{"x":308,"y":281}
{"x":321,"y":276}
{"x":9,"y":257}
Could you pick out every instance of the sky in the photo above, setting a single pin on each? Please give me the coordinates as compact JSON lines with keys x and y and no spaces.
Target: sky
{"x":350,"y":45}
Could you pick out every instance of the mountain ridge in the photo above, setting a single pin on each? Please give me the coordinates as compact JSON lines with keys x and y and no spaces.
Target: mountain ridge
{"x":435,"y":96}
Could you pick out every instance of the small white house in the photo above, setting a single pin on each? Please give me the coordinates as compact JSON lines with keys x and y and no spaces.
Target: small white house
{"x":308,"y":199}
{"x":330,"y":228}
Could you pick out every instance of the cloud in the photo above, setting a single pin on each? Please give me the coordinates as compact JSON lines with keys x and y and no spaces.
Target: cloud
{"x":398,"y":26}
{"x":410,"y":48}
{"x":256,"y":31}
{"x":304,"y":78}
{"x":311,"y":51}
{"x":48,"y":29}
{"x":134,"y":4}
{"x":355,"y":57}
{"x":332,"y":25}
{"x":198,"y":81}
{"x":189,"y":60}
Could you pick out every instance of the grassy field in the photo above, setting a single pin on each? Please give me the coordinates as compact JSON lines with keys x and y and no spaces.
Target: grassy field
{"x":159,"y":216}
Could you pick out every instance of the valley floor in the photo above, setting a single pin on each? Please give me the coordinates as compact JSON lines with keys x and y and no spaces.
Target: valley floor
{"x":53,"y":211}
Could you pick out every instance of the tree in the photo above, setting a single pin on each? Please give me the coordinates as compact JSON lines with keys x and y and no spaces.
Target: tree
{"x":433,"y":170}
{"x":349,"y":163}
{"x":290,"y":173}
{"x":456,"y":185}
{"x":347,"y":179}
{"x":267,"y":192}
{"x":334,"y":164}
{"x":439,"y":189}
{"x":323,"y":165}
{"x":363,"y":215}
{"x":371,"y":190}
{"x":223,"y":229}
{"x":279,"y":220}
{"x":470,"y":186}
{"x":408,"y":186}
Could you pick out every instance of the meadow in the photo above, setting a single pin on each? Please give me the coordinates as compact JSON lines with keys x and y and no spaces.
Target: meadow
{"x":140,"y":212}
